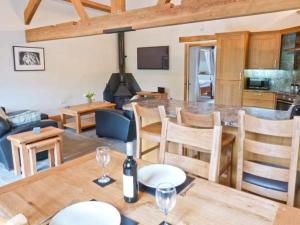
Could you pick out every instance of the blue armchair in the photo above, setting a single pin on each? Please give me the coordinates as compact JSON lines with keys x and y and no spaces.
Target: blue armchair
{"x":115,"y":124}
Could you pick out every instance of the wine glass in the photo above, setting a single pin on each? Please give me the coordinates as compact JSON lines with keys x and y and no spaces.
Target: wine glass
{"x":103,"y":158}
{"x":165,"y":198}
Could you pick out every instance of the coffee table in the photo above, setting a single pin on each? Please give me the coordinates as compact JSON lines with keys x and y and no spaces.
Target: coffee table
{"x":20,"y":143}
{"x":77,"y":111}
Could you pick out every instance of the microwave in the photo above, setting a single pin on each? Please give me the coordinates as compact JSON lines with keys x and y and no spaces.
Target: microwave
{"x":258,"y":83}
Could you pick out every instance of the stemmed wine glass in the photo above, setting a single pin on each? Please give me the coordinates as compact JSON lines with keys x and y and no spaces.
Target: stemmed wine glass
{"x":103,"y":158}
{"x":165,"y":198}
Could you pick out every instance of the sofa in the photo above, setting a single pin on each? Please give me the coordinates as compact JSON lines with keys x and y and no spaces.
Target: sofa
{"x":116,"y":124}
{"x":6,"y":130}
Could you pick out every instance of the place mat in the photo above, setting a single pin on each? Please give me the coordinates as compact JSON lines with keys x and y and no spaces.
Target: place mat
{"x":124,"y":219}
{"x":104,"y":185}
{"x":180,"y":188}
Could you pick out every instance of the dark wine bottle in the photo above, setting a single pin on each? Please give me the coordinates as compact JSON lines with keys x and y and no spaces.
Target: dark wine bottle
{"x":130,"y":182}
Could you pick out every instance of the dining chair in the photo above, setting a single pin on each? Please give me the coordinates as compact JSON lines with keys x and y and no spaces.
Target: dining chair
{"x":254,"y":173}
{"x":145,"y":130}
{"x":207,"y":140}
{"x":209,"y":121}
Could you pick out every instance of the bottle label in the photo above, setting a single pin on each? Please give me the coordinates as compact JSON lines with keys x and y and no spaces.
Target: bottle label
{"x":128,"y":186}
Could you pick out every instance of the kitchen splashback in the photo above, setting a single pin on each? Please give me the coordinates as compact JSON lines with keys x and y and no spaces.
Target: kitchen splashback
{"x":280,"y":79}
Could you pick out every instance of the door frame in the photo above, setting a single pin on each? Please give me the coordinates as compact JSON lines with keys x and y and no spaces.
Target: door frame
{"x":187,"y":63}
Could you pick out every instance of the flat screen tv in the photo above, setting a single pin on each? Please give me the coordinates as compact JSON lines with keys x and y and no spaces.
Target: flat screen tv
{"x":153,"y":58}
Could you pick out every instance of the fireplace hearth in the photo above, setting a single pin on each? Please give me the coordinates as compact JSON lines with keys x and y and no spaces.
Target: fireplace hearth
{"x":121,"y":86}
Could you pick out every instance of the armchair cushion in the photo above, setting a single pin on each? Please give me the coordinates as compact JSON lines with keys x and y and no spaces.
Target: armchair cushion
{"x":24,"y":118}
{"x":4,"y":126}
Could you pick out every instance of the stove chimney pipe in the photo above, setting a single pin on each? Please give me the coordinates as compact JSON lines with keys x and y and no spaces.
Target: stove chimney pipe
{"x":121,"y":48}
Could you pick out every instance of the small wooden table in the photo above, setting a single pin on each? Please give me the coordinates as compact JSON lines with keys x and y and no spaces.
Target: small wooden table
{"x":152,"y":94}
{"x":79,"y":110}
{"x":19,"y":143}
{"x":42,"y":195}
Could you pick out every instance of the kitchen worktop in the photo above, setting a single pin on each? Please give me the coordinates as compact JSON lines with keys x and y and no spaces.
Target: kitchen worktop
{"x":229,"y":115}
{"x":288,"y":92}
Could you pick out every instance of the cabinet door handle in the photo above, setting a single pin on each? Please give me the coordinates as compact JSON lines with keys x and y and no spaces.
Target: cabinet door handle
{"x":275,"y":63}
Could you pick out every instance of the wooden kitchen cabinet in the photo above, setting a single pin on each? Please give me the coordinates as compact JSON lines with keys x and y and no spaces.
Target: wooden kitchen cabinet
{"x":229,"y":92}
{"x":231,"y":60}
{"x":264,"y":50}
{"x":259,"y":99}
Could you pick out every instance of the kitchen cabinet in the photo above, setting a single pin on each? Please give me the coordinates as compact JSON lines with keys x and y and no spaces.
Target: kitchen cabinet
{"x":229,"y":92}
{"x":259,"y":99}
{"x":231,"y":60}
{"x":264,"y":50}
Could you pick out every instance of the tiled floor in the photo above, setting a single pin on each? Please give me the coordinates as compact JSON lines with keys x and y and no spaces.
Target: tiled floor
{"x":74,"y":146}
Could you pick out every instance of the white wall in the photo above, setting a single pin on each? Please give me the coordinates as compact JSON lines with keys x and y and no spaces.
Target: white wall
{"x":73,"y":66}
{"x":173,"y":78}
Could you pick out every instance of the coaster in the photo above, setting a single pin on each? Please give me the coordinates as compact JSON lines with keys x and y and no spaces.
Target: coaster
{"x":124,"y":219}
{"x":163,"y":223}
{"x":151,"y":191}
{"x":104,"y":185}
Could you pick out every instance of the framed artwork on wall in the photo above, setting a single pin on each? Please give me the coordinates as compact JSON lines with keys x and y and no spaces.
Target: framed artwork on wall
{"x":28,"y":58}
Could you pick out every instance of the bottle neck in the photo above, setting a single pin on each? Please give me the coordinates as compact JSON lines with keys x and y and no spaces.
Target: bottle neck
{"x":129,"y":157}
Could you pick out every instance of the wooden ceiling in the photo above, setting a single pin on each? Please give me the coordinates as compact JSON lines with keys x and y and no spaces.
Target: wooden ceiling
{"x":164,"y":13}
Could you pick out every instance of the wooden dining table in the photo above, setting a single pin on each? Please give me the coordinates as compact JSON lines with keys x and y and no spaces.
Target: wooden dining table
{"x":205,"y":203}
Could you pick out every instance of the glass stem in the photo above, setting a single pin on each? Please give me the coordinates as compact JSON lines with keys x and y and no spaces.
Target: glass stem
{"x":166,"y":218}
{"x":103,"y":171}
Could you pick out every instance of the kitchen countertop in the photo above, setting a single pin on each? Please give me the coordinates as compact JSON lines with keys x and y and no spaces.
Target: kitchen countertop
{"x":229,"y":115}
{"x":274,"y":91}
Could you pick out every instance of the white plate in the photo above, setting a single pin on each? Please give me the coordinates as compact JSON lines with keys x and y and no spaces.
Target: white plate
{"x":88,"y":213}
{"x":153,"y":175}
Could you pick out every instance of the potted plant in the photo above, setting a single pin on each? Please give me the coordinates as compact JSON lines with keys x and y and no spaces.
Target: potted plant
{"x":90,"y":95}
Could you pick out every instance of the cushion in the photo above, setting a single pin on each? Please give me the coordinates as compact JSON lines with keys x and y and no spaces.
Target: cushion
{"x":3,"y":114}
{"x":4,"y":126}
{"x":24,"y":118}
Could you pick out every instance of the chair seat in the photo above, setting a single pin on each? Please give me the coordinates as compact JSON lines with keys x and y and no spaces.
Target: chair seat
{"x":152,"y":131}
{"x":265,"y":183}
{"x":227,"y":139}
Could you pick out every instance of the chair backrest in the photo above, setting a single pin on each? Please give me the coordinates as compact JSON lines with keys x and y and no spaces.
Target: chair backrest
{"x":154,"y":114}
{"x":208,"y":139}
{"x":247,"y":146}
{"x":198,"y":120}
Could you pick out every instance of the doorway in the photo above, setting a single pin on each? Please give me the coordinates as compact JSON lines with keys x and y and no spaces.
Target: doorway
{"x":200,"y":70}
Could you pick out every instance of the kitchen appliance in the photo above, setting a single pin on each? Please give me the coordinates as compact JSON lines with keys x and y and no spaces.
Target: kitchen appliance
{"x":285,"y":100}
{"x":258,"y":83}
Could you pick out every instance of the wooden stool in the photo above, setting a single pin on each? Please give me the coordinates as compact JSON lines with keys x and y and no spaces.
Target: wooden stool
{"x":52,"y":145}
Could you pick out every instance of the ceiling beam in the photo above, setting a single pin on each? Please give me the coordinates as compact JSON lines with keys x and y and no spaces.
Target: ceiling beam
{"x":161,"y":16}
{"x":80,"y":10}
{"x":198,"y":38}
{"x":30,"y":10}
{"x":94,"y":5}
{"x":118,"y":6}
{"x":162,"y":2}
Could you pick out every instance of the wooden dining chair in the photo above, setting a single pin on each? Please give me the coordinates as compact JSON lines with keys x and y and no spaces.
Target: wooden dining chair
{"x":148,"y":131}
{"x":208,"y":140}
{"x":254,"y":173}
{"x":209,"y":121}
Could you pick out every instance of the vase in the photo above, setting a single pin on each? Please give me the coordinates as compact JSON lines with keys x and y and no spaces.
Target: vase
{"x":90,"y":100}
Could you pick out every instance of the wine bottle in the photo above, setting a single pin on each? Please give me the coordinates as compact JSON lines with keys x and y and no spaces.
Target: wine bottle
{"x":130,"y":182}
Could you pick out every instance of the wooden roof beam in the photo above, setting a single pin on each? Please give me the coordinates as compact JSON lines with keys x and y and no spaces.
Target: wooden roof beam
{"x":94,"y":5}
{"x":163,"y":2}
{"x":80,"y":10}
{"x":30,"y":10}
{"x":118,"y":6}
{"x":160,"y":16}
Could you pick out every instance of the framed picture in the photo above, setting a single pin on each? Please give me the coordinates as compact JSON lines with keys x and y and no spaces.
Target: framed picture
{"x":28,"y":58}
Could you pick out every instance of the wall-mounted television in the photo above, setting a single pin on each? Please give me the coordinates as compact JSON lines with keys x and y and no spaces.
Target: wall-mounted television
{"x":153,"y":58}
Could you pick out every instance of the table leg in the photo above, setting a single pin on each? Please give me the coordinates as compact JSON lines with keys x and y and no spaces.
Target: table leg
{"x":16,"y":158}
{"x":24,"y":161}
{"x":32,"y":156}
{"x":63,"y":120}
{"x":51,"y":157}
{"x":57,"y":153}
{"x":78,"y":123}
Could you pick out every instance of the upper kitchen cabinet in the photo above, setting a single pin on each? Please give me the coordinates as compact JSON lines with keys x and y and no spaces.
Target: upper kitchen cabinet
{"x":231,"y":55}
{"x":264,"y":50}
{"x":290,"y":51}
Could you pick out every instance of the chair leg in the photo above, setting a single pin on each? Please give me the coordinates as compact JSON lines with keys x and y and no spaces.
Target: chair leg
{"x":32,"y":157}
